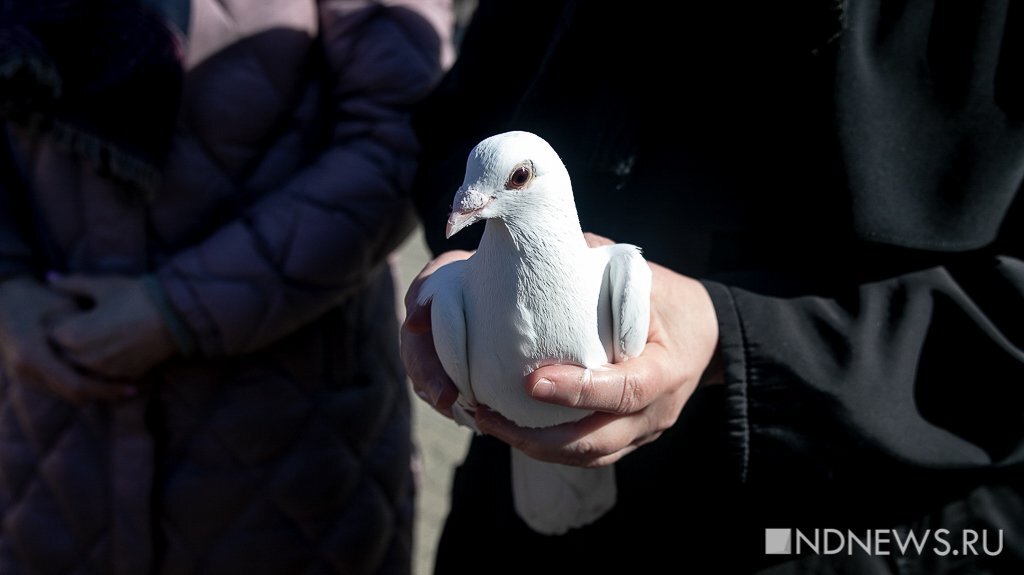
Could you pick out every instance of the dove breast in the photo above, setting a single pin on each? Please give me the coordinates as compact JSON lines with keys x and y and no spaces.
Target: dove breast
{"x":520,"y":318}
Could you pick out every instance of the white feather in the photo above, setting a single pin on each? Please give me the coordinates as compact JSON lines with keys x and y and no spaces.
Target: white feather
{"x":535,"y":294}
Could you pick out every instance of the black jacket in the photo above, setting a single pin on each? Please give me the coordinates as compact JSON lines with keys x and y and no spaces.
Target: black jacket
{"x":845,"y":178}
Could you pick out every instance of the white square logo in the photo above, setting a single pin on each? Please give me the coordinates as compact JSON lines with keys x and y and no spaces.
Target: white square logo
{"x":778,"y":542}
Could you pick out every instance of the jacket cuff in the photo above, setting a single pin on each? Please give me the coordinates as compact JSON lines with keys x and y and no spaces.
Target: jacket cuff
{"x":180,"y":287}
{"x":180,"y":333}
{"x":732,"y":350}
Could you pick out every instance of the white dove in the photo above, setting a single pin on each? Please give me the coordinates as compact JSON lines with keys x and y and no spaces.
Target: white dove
{"x":534,"y":294}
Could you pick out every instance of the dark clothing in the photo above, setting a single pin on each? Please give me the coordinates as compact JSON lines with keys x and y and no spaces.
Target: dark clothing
{"x":846,"y":179}
{"x":281,"y":444}
{"x":103,"y":77}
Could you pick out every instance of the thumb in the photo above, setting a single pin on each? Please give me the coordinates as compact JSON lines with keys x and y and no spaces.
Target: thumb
{"x":621,"y":388}
{"x":71,"y":333}
{"x":73,"y":285}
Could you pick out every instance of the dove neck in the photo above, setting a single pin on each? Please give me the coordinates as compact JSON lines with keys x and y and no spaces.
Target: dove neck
{"x":558,"y":235}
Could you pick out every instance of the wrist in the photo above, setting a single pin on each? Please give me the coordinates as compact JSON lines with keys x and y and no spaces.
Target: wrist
{"x":714,"y":373}
{"x":178,"y":333}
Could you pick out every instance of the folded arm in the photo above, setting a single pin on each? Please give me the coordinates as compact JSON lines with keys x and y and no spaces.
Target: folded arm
{"x":294,"y":254}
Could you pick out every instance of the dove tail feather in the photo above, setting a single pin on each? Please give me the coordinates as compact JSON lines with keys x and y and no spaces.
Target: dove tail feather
{"x":553,"y":498}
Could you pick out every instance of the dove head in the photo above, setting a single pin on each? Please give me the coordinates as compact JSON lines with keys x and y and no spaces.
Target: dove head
{"x":508,"y":175}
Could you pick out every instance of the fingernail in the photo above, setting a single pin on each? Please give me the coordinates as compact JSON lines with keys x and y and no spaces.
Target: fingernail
{"x":430,"y":392}
{"x":423,"y":395}
{"x":542,"y":389}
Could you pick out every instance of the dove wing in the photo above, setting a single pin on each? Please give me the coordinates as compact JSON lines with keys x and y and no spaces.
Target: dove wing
{"x":444,"y":289}
{"x":629,"y":286}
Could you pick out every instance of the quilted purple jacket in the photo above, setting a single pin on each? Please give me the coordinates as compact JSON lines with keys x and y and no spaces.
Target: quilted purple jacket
{"x":282,"y":443}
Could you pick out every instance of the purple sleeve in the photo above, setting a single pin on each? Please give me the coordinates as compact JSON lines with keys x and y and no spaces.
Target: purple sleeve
{"x":302,"y":248}
{"x":15,"y":254}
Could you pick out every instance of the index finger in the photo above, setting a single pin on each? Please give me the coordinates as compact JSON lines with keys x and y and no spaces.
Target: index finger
{"x":597,"y":439}
{"x":595,"y":240}
{"x":45,"y":369}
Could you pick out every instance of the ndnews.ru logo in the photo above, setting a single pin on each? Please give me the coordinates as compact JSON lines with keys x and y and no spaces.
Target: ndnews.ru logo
{"x":882,"y":542}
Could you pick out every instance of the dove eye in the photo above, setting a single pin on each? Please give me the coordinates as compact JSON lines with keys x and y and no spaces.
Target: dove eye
{"x":519,"y":177}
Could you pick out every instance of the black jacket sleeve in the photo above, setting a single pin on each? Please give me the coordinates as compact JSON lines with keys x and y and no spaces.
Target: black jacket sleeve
{"x":918,"y":372}
{"x":921,"y":369}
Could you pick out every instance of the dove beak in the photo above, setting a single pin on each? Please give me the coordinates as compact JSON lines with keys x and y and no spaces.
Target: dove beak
{"x":466,"y":209}
{"x":461,"y":219}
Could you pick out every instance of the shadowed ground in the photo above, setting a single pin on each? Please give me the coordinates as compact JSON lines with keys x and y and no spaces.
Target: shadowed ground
{"x":442,"y":444}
